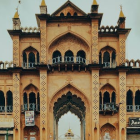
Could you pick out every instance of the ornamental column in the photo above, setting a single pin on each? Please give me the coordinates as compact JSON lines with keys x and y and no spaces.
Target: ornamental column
{"x":122,"y":109}
{"x":16,"y":105}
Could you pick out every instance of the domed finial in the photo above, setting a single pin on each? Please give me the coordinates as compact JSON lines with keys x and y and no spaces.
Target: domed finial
{"x":95,"y":2}
{"x":121,"y":13}
{"x":16,"y":14}
{"x":43,"y":3}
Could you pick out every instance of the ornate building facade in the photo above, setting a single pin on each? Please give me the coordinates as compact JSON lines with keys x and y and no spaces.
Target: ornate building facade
{"x":69,"y":63}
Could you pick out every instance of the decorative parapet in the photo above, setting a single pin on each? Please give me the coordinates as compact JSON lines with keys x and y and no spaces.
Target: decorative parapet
{"x":132,"y":63}
{"x":108,"y":29}
{"x":6,"y":64}
{"x":30,"y":30}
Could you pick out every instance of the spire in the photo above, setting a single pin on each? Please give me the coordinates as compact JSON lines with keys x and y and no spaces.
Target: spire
{"x":43,"y":3}
{"x":94,"y":7}
{"x":43,"y":7}
{"x":16,"y":14}
{"x":95,"y":2}
{"x":121,"y":13}
{"x":121,"y":21}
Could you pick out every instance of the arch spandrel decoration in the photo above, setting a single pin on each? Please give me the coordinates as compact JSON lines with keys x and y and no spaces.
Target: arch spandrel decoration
{"x":64,"y":91}
{"x":30,"y":88}
{"x":108,"y":129}
{"x":68,"y":41}
{"x":108,"y":87}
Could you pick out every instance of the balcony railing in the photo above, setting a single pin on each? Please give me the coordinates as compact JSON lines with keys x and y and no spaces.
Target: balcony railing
{"x":69,"y":59}
{"x":109,"y":107}
{"x":6,"y":109}
{"x":29,"y":65}
{"x":107,"y":65}
{"x":133,"y":108}
{"x":30,"y":107}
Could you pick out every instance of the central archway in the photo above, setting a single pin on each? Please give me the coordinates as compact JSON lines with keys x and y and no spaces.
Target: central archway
{"x":70,"y":99}
{"x":73,"y":104}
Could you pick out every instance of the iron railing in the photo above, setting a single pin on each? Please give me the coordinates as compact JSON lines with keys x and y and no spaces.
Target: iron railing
{"x":69,"y":59}
{"x":107,"y":65}
{"x":29,"y":65}
{"x":133,"y":108}
{"x":6,"y":108}
{"x":30,"y":107}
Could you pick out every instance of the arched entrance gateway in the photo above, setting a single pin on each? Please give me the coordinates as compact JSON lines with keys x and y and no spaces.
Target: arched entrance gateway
{"x":69,"y":99}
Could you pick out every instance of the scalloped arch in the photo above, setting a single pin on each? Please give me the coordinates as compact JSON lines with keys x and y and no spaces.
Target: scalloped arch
{"x":108,"y":84}
{"x":103,"y":47}
{"x":64,"y":90}
{"x":67,"y":32}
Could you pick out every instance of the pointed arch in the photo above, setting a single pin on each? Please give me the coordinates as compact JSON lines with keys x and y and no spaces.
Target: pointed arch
{"x":108,"y":86}
{"x":64,"y":90}
{"x":68,"y":32}
{"x":30,"y":87}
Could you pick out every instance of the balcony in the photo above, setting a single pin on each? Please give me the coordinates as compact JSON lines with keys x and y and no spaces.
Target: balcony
{"x":109,"y":108}
{"x":30,"y":107}
{"x":69,"y":59}
{"x":133,"y":108}
{"x":107,"y":65}
{"x":29,"y":65}
{"x":7,"y":109}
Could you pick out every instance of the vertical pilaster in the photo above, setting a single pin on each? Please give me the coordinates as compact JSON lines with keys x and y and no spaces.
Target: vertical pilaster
{"x":16,"y":106}
{"x":122,"y":39}
{"x":16,"y":51}
{"x":43,"y":56}
{"x":122,"y":109}
{"x":43,"y":105}
{"x":95,"y":52}
{"x":95,"y":104}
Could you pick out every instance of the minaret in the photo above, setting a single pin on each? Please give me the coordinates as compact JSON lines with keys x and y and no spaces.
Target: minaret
{"x":94,"y":7}
{"x":121,"y":21}
{"x":43,"y":7}
{"x":16,"y":21}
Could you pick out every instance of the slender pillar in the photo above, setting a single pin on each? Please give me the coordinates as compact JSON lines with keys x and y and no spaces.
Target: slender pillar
{"x":36,"y":58}
{"x":95,"y":104}
{"x":27,"y":59}
{"x":133,"y":103}
{"x":56,"y":129}
{"x":28,"y":101}
{"x":43,"y":105}
{"x":16,"y":106}
{"x":122,"y":109}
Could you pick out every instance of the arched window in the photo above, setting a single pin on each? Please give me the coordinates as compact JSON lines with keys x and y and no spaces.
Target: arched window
{"x":32,"y":101}
{"x":137,"y":97}
{"x":113,"y":57}
{"x":129,"y":101}
{"x":75,"y":14}
{"x":106,"y":59}
{"x":2,"y":102}
{"x":24,"y":57}
{"x":113,"y":97}
{"x":9,"y":101}
{"x":81,"y":56}
{"x":106,"y":98}
{"x":25,"y":105}
{"x":61,"y":14}
{"x":68,"y":14}
{"x":56,"y":58}
{"x":31,"y":57}
{"x":69,"y":56}
{"x":37,"y":57}
{"x":9,"y":98}
{"x":100,"y":101}
{"x":38,"y":102}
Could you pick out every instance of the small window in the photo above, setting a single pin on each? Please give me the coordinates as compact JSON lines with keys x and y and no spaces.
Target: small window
{"x":75,"y":14}
{"x":61,"y":14}
{"x":68,"y":14}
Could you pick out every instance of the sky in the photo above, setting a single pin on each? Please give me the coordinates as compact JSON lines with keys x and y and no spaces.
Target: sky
{"x":110,"y":9}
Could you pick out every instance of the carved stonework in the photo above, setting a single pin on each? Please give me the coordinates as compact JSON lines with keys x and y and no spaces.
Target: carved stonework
{"x":16,"y":51}
{"x":68,"y":42}
{"x":16,"y":24}
{"x":95,"y":53}
{"x":43,"y":9}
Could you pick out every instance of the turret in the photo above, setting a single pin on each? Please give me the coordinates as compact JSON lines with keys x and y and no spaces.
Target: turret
{"x":94,"y":7}
{"x":43,"y":7}
{"x":121,"y":21}
{"x":16,"y":22}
